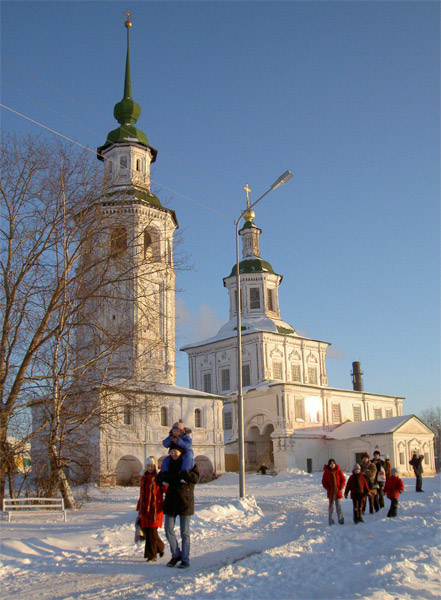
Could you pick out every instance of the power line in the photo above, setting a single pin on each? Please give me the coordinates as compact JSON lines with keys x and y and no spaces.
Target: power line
{"x":94,"y":152}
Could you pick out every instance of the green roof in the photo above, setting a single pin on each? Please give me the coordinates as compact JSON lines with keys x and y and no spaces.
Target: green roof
{"x":253,"y":265}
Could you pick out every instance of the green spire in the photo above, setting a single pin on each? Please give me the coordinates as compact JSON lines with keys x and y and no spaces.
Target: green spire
{"x":127,"y":111}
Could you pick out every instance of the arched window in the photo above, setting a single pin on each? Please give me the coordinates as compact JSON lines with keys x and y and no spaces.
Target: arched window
{"x":128,"y":415}
{"x":198,"y":417}
{"x":138,"y":164}
{"x":118,"y":241}
{"x":164,"y":416}
{"x":151,"y":245}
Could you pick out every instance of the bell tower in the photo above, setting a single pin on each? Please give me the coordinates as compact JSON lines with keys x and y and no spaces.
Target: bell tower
{"x":134,"y":311}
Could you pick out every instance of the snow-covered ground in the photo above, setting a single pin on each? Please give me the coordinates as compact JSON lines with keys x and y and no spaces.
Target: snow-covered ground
{"x":274,"y":544}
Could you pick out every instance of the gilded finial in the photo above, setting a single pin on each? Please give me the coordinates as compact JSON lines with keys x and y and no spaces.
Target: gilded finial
{"x":248,"y":215}
{"x":127,"y":16}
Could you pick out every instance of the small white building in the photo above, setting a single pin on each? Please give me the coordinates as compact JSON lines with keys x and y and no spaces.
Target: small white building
{"x":289,"y":409}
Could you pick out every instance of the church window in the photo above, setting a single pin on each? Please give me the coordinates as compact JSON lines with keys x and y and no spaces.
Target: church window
{"x":389,"y":413}
{"x":254,"y":298}
{"x":123,"y":162}
{"x":377,"y":413}
{"x":356,"y":409}
{"x":269,"y":300}
{"x":128,"y":415}
{"x":147,"y":243}
{"x":207,"y":382}
{"x":401,"y":458}
{"x":109,"y":165}
{"x":164,"y":416}
{"x":225,"y":380}
{"x":312,"y":375}
{"x":118,"y":241}
{"x":336,"y":415}
{"x":300,"y":409}
{"x":296,"y":374}
{"x":277,"y":370}
{"x":138,"y":164}
{"x":246,"y":376}
{"x":426,"y":458}
{"x":228,"y":420}
{"x":198,"y":417}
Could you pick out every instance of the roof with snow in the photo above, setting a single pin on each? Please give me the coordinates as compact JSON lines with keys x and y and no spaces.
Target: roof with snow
{"x":136,"y":385}
{"x":376,"y":426}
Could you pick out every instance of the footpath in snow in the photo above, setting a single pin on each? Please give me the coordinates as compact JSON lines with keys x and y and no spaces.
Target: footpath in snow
{"x":274,"y":544}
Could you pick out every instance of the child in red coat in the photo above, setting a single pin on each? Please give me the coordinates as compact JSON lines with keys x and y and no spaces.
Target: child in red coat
{"x":333,"y":481}
{"x":149,"y":508}
{"x":393,"y":487}
{"x":359,"y":488}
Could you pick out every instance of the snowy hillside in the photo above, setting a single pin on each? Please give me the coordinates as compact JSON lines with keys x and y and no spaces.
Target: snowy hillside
{"x":274,"y":544}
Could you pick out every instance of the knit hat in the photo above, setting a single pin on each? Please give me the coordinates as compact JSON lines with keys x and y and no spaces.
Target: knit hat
{"x":179,"y":425}
{"x":175,"y":447}
{"x":356,"y":467}
{"x":387,"y":456}
{"x":151,"y":460}
{"x":394,"y":470}
{"x":365,"y":455}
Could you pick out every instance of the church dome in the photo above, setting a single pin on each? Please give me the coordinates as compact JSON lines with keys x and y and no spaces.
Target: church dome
{"x":253,"y":265}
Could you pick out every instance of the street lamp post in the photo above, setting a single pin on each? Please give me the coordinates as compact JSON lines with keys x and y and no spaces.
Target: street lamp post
{"x":281,"y":180}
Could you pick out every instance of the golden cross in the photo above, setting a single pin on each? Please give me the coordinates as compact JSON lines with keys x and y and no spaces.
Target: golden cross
{"x":127,"y":15}
{"x":247,"y":189}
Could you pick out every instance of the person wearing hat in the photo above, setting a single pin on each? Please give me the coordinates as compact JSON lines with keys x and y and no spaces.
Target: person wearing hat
{"x":417,"y":464}
{"x":381,"y":476}
{"x":359,"y":489}
{"x":369,"y":470}
{"x":149,"y":509}
{"x":333,"y":481}
{"x":393,"y":488}
{"x":179,"y":501}
{"x":180,"y":437}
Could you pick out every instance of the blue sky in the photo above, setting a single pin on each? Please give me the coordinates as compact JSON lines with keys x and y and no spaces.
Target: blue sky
{"x":344,"y":94}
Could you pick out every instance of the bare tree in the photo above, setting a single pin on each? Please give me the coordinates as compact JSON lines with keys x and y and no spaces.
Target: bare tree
{"x":432,"y":417}
{"x":58,"y":277}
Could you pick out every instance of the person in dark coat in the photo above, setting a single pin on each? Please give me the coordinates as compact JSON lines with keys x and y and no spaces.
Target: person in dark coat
{"x":393,"y":488}
{"x":369,"y":470}
{"x":150,"y":511}
{"x":333,"y":481}
{"x":359,"y":489}
{"x":387,"y":466}
{"x":417,"y":464}
{"x":262,"y":469}
{"x":380,"y":478}
{"x":179,"y":501}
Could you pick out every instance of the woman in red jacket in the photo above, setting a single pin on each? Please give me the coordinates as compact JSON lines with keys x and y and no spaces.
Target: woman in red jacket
{"x":149,"y":508}
{"x":333,"y":481}
{"x":393,"y":487}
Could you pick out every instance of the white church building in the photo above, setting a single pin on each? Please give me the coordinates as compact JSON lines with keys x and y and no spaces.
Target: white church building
{"x":135,"y":238}
{"x":292,"y":417}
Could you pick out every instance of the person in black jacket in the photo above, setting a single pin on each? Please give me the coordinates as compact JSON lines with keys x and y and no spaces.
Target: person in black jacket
{"x":416,"y":462}
{"x":179,"y":500}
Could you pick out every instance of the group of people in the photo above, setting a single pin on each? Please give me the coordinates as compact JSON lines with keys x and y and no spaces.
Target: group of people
{"x":367,"y":484}
{"x":166,"y":495}
{"x":169,"y":493}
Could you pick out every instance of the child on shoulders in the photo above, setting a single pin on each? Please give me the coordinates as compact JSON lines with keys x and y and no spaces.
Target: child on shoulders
{"x":179,"y":436}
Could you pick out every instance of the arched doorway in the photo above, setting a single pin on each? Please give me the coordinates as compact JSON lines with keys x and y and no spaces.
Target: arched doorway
{"x":205,"y":468}
{"x":128,"y":471}
{"x":259,"y":448}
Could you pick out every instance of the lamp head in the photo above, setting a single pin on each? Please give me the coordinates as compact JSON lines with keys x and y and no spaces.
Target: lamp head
{"x":282,"y":179}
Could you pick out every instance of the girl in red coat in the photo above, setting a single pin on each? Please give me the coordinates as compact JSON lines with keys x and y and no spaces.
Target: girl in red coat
{"x":359,"y":488}
{"x":149,"y":508}
{"x":333,"y":481}
{"x":393,"y":487}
